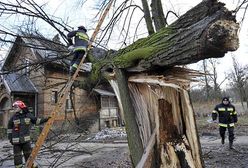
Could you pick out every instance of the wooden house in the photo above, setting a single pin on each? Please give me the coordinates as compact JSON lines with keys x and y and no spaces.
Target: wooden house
{"x":36,"y":72}
{"x":109,"y":113}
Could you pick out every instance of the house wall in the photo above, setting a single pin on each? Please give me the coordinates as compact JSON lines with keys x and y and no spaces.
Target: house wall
{"x":35,"y":75}
{"x":43,"y":79}
{"x":83,"y":102}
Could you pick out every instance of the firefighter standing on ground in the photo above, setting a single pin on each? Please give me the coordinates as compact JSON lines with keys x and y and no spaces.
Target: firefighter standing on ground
{"x":227,"y":117}
{"x":19,"y":131}
{"x":79,"y":48}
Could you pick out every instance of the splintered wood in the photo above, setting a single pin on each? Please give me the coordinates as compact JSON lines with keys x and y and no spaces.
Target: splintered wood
{"x":166,"y":122}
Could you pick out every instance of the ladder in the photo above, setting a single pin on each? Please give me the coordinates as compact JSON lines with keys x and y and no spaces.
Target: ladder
{"x":63,"y":96}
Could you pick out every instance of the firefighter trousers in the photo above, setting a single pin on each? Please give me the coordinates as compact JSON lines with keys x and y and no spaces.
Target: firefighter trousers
{"x":230,"y":133}
{"x":78,"y":55}
{"x":24,"y":148}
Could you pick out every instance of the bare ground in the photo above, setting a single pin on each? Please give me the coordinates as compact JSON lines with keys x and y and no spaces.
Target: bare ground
{"x":217,"y":155}
{"x":113,"y":153}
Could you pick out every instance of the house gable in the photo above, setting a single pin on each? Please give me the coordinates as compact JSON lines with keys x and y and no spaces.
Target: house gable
{"x":47,"y":80}
{"x":19,"y":56}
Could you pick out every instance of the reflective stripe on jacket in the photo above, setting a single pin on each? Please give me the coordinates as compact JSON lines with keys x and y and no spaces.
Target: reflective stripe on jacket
{"x":226,"y":113}
{"x":81,"y":39}
{"x":19,"y":127}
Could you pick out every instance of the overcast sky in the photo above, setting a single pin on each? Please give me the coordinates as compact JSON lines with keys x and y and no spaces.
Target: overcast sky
{"x":179,"y":6}
{"x":83,"y":15}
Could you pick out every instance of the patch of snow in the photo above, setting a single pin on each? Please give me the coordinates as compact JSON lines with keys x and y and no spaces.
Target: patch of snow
{"x":109,"y":133}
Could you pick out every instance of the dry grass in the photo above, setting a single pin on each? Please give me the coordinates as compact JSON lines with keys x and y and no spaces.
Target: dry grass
{"x":205,"y":109}
{"x":203,"y":113}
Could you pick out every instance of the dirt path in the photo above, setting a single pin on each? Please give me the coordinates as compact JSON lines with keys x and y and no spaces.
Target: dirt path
{"x":77,"y":155}
{"x":102,"y":155}
{"x":217,"y":155}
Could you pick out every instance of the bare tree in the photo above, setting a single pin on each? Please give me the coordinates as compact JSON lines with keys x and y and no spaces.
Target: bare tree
{"x":158,"y":14}
{"x":31,"y":12}
{"x":147,"y":16}
{"x":211,"y":85}
{"x":191,"y":38}
{"x":214,"y":78}
{"x":177,"y":44}
{"x":238,"y":80}
{"x":206,"y":79}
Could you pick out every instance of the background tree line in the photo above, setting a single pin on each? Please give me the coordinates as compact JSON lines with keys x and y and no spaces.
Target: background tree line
{"x":233,"y":84}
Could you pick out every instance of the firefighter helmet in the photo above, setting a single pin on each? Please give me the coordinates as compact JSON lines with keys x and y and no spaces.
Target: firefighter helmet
{"x":82,"y":28}
{"x":20,"y":104}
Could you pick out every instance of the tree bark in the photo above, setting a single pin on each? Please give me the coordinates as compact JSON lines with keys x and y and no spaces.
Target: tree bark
{"x":148,"y":18}
{"x":133,"y":135}
{"x":156,"y":92}
{"x":206,"y":80}
{"x":158,"y":14}
{"x":163,"y":107}
{"x":207,"y":31}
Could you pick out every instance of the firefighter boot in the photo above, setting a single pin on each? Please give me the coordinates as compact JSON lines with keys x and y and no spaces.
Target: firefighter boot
{"x":230,"y":145}
{"x":222,"y":140}
{"x":72,"y":71}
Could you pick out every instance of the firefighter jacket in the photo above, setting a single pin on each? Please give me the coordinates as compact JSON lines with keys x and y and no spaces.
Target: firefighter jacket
{"x":80,"y":39}
{"x":19,"y":127}
{"x":226,"y":113}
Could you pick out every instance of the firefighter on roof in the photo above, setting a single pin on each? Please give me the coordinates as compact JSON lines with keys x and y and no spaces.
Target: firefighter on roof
{"x":79,"y":47}
{"x":227,"y":117}
{"x":19,"y":131}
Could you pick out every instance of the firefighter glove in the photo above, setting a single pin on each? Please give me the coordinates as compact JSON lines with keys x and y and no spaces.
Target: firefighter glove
{"x":70,"y":48}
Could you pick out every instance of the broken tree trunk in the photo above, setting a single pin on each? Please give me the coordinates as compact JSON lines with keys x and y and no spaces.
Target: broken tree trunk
{"x":134,"y":138}
{"x":160,"y":121}
{"x":162,"y":106}
{"x":208,"y":30}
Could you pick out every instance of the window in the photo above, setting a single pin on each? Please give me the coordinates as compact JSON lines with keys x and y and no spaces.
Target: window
{"x":105,"y":101}
{"x":109,"y":101}
{"x":54,"y":97}
{"x":113,"y":102}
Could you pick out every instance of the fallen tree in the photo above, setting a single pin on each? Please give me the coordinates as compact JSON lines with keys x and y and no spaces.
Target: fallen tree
{"x":152,"y":92}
